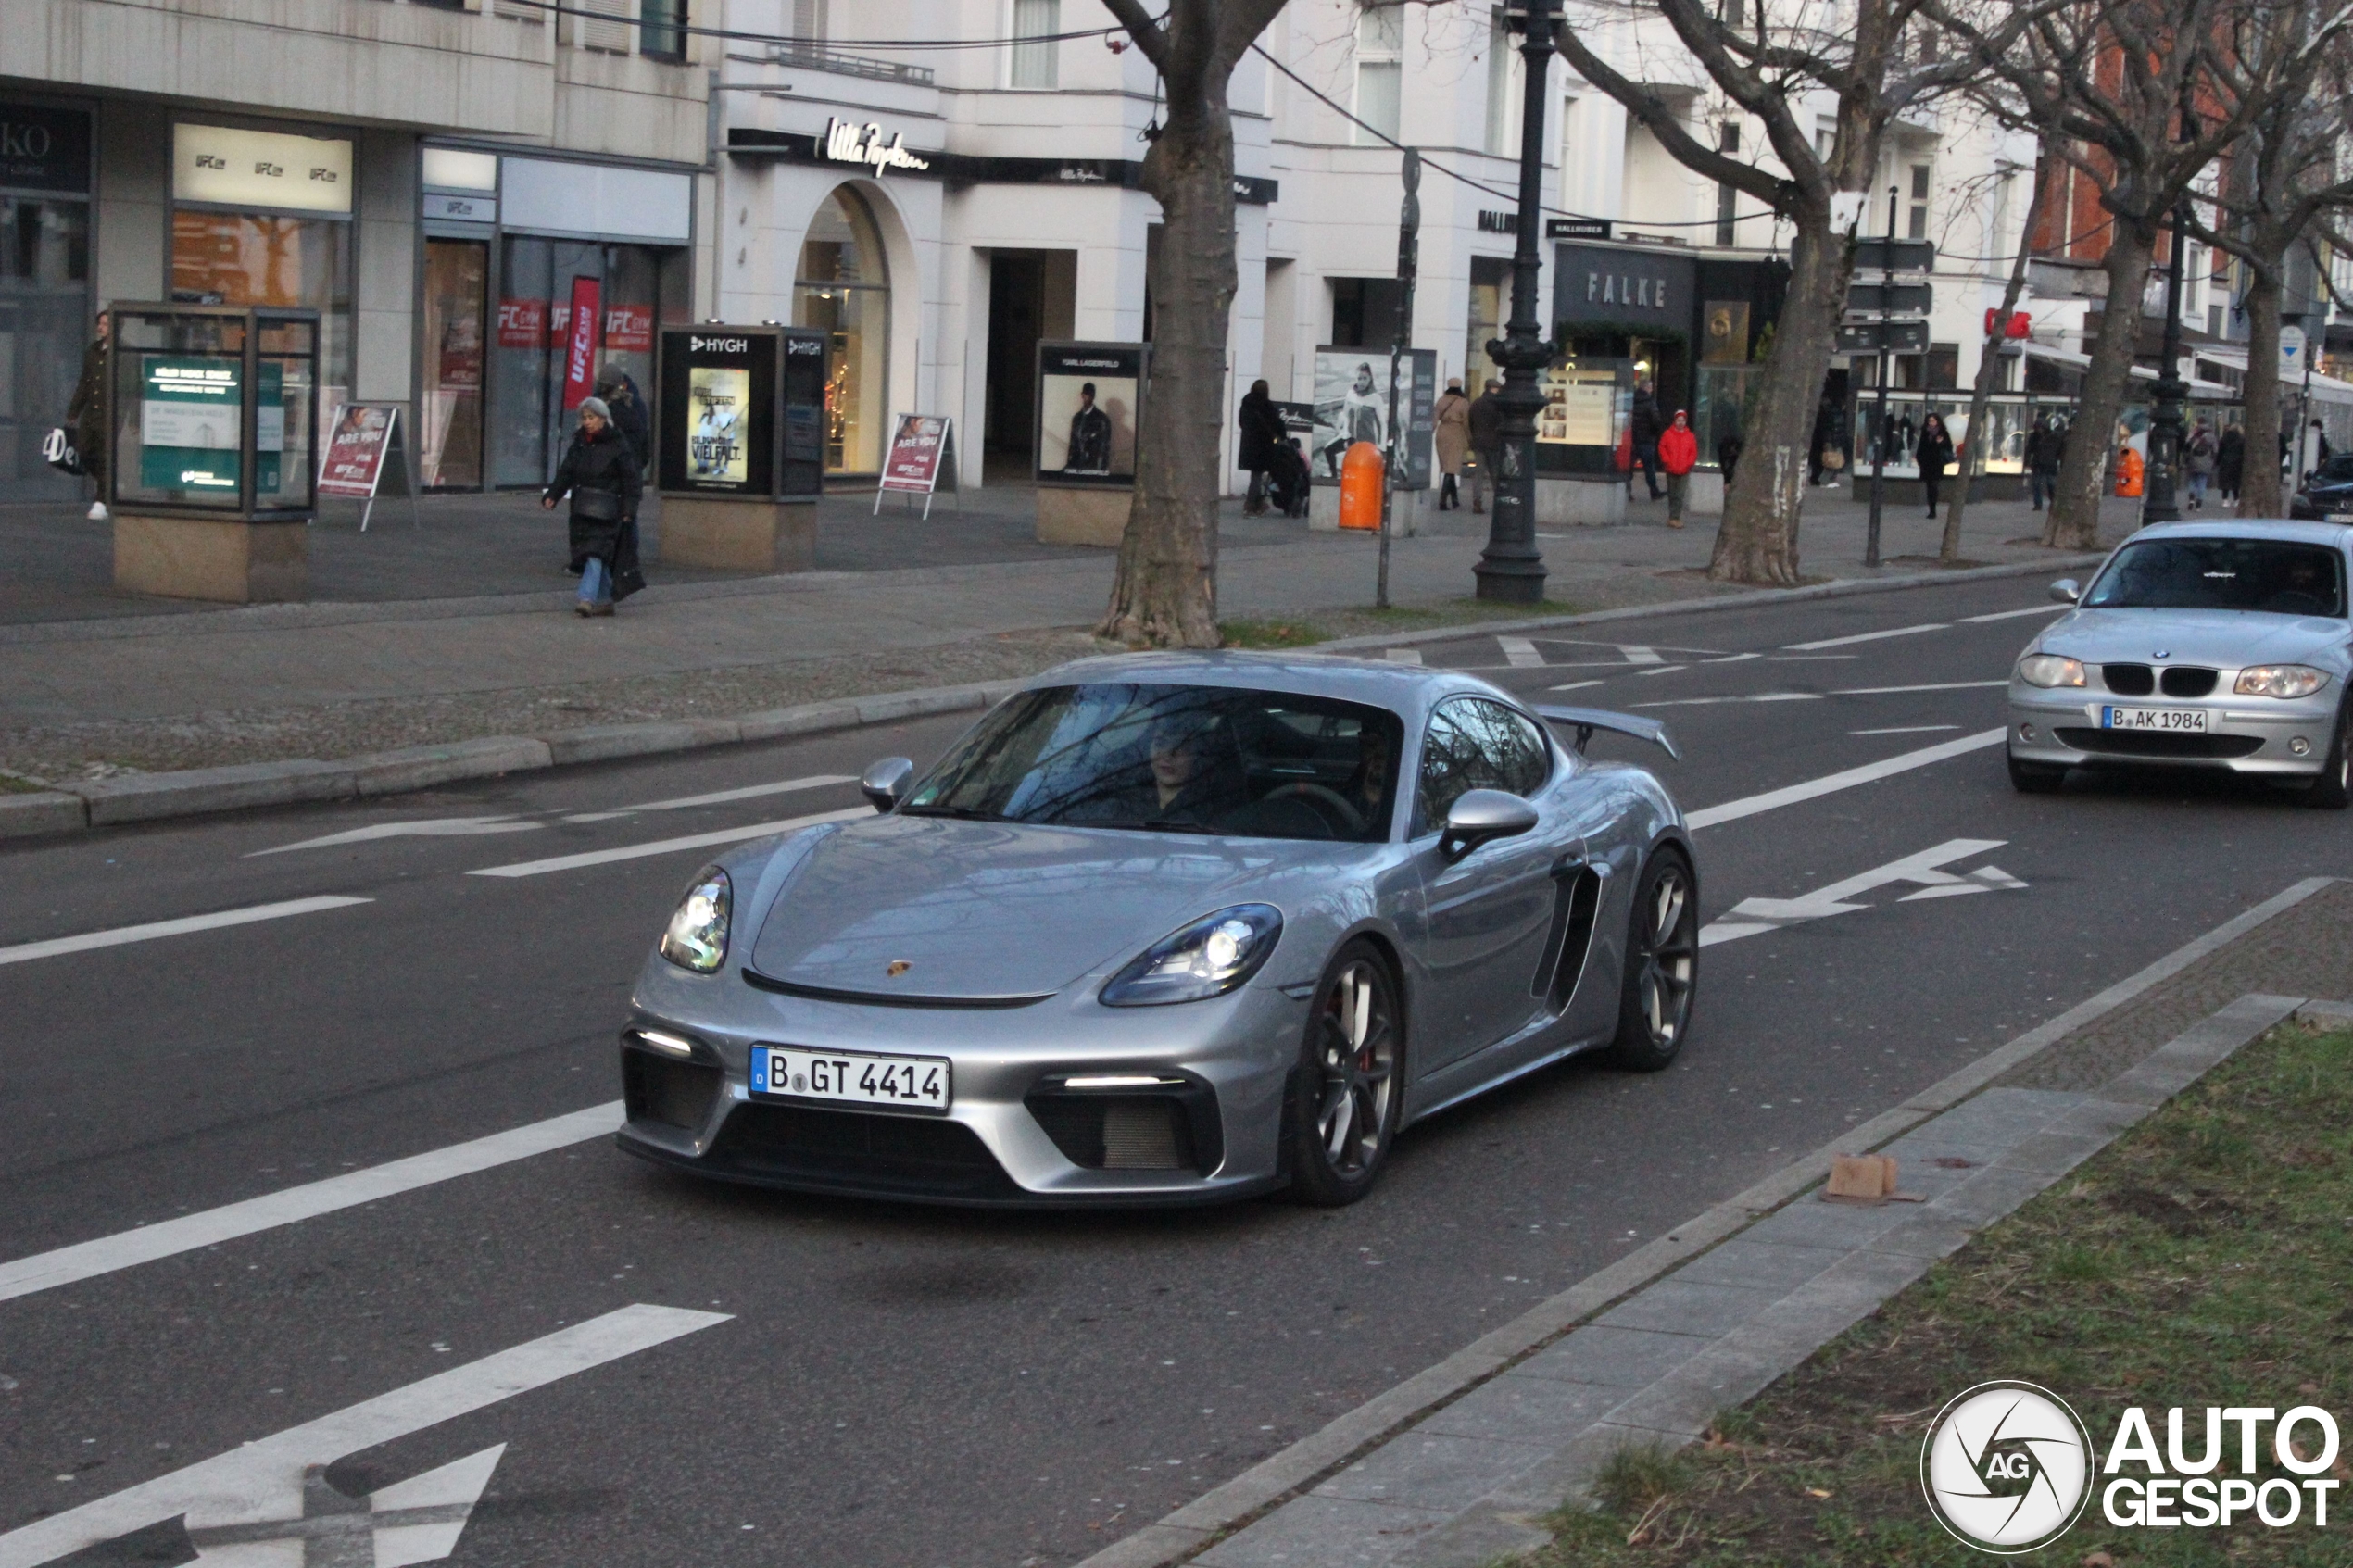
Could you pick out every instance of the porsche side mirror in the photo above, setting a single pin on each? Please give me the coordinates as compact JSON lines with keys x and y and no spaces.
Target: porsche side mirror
{"x":884,"y":784}
{"x":2066,"y":591}
{"x":1480,"y":815}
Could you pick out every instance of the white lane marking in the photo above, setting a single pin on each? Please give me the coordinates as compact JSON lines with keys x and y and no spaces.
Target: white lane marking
{"x":1519,"y":653}
{"x":1933,"y":686}
{"x":1815,"y":697}
{"x":1831,"y":784}
{"x":1735,"y":657}
{"x":1804,"y":658}
{"x":1753,"y":916}
{"x":418,"y":1520}
{"x":124,"y":1250}
{"x":1710,"y":701}
{"x":1665,"y":669}
{"x":1576,"y":685}
{"x":26,"y":951}
{"x":1402,"y":655}
{"x":1869,"y":636}
{"x":1906,"y":730}
{"x":668,"y":846}
{"x":2013,"y":614}
{"x":432,"y":827}
{"x":1636,"y":654}
{"x":748,"y":792}
{"x":236,"y":1484}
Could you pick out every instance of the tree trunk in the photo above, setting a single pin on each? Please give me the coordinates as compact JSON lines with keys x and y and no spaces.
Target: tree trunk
{"x":2075,"y":510}
{"x":1758,"y":540}
{"x":1165,"y":592}
{"x":1980,"y":397}
{"x":2260,"y":476}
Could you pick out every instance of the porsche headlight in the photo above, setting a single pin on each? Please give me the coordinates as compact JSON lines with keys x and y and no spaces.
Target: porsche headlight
{"x":1208,"y":958}
{"x":2050,"y":669}
{"x":2279,"y":680}
{"x":697,"y":935}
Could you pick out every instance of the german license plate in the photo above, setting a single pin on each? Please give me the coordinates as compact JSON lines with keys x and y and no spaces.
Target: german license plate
{"x":2179,"y":720}
{"x":908,"y":1083}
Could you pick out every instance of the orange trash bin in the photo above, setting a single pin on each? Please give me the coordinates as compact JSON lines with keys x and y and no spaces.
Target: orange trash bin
{"x":2130,"y":469}
{"x":1360,"y":483}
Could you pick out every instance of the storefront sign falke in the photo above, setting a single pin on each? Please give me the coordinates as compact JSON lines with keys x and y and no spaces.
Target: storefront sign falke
{"x":1598,"y":283}
{"x":844,"y":142}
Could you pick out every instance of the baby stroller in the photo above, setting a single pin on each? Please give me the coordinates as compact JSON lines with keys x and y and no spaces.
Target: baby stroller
{"x":1287,"y":479}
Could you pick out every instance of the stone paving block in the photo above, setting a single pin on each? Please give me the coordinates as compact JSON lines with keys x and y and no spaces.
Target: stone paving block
{"x":24,"y":816}
{"x":140,"y":797}
{"x":1930,"y":1234}
{"x":603,"y":743}
{"x":1758,"y":1265}
{"x":1478,"y":1539}
{"x":808,"y":717}
{"x":2325,"y":1014}
{"x":1837,"y":1297}
{"x":1512,"y":1409}
{"x":1990,"y":1194}
{"x":2055,"y":1154}
{"x":1616,"y":1358}
{"x":1568,"y":1473}
{"x":1425,"y":1469}
{"x":1809,"y":1221}
{"x":1677,"y":1305}
{"x":2101,"y":1118}
{"x":1318,"y":1532}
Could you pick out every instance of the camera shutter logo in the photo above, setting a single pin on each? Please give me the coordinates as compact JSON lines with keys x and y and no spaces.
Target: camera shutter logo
{"x":2006,"y":1467}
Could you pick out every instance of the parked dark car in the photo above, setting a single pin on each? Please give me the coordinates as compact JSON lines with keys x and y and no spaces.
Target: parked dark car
{"x":2327,"y":497}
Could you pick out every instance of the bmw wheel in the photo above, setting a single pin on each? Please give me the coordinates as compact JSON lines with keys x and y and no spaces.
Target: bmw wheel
{"x":1344,"y":1108}
{"x":1662,"y":966}
{"x":2332,"y":791}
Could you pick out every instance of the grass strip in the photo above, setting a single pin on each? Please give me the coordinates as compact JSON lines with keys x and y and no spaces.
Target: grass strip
{"x":2203,"y":1258}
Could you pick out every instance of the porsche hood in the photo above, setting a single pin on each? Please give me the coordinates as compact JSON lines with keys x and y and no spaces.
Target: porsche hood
{"x":910,"y":909}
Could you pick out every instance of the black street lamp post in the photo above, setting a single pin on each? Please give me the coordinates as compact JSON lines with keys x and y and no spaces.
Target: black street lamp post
{"x":2161,"y":500}
{"x":1511,"y":569}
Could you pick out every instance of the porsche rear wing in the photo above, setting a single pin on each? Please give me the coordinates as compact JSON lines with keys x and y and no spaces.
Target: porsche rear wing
{"x":1585,"y":720}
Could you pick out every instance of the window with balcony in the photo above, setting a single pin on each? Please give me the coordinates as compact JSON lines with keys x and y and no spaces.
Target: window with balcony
{"x":661,"y":29}
{"x":1918,"y":228}
{"x":809,"y":21}
{"x":1727,"y":141}
{"x":1381,"y":71}
{"x":1036,"y":59}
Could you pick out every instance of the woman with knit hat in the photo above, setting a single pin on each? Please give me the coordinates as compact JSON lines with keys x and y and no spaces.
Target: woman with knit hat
{"x":599,"y":472}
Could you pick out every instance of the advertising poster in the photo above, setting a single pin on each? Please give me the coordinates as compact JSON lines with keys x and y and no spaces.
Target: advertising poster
{"x":580,"y":343}
{"x":1087,"y":398}
{"x":1351,"y":404}
{"x":354,"y":461}
{"x":718,"y":403}
{"x":916,"y":447}
{"x":1580,"y":407}
{"x":191,"y":417}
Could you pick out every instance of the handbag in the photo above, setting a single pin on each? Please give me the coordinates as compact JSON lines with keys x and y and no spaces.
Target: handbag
{"x":58,"y":451}
{"x":597,"y":505}
{"x":1834,"y":459}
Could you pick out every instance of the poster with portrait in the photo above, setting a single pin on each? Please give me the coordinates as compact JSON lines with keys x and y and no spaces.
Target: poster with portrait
{"x":718,"y":407}
{"x":1089,"y":398}
{"x":1352,"y":402}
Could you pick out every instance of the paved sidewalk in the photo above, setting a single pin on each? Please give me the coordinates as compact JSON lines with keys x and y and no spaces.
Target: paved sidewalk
{"x":176,"y":687}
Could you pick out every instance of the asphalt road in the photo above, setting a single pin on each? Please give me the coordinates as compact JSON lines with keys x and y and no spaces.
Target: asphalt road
{"x":883,"y":1384}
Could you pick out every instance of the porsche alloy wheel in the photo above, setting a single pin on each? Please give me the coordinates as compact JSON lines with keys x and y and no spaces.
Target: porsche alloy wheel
{"x":1345,"y":1108}
{"x":1662,"y":966}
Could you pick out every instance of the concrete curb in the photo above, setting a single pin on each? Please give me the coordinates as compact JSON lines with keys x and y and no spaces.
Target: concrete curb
{"x":147,"y":797}
{"x":1291,"y":1472}
{"x":1840,"y":589}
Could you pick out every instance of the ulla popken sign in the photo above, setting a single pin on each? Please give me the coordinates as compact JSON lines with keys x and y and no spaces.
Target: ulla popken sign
{"x":846,"y":143}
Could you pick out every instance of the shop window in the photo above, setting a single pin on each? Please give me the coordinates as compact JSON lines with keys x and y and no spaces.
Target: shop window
{"x":1727,"y":141}
{"x":249,"y":258}
{"x":843,"y":290}
{"x":449,"y":412}
{"x":1364,"y":312}
{"x":1381,"y":71}
{"x":1918,"y":229}
{"x":661,"y":29}
{"x":1036,"y":57}
{"x":44,"y":325}
{"x":1490,"y":291}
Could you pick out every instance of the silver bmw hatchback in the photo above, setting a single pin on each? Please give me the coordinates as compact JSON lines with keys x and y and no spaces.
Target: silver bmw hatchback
{"x":1169,"y":929}
{"x":2208,"y":644}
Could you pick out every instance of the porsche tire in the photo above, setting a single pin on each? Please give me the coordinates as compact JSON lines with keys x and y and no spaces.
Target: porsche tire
{"x":1345,"y":1102}
{"x":1662,"y":966}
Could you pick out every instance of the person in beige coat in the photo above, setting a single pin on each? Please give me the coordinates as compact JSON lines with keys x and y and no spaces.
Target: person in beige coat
{"x":1452,"y":440}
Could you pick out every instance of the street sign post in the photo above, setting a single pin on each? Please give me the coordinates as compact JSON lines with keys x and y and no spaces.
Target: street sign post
{"x":1888,"y":254}
{"x":1890,"y":299}
{"x":1894,"y":337}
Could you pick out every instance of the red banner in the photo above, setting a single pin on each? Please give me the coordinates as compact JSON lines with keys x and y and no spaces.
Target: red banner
{"x":917,"y":447}
{"x":353,"y":462}
{"x":630,"y":328}
{"x":523,"y":323}
{"x":580,"y":348}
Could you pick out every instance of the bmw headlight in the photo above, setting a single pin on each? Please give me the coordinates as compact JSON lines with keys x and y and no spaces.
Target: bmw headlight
{"x":2279,"y":680}
{"x":1208,"y":958}
{"x":697,"y":935}
{"x":2050,"y":669}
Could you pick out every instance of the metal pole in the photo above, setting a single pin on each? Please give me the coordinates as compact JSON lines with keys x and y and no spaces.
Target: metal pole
{"x":1511,"y":569}
{"x":2159,"y":499}
{"x":1879,"y":436}
{"x":1409,"y":226}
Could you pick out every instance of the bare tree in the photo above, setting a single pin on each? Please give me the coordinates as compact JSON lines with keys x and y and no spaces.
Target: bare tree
{"x":1166,"y":590}
{"x":1989,"y":364}
{"x":2106,"y":82}
{"x":1770,"y":59}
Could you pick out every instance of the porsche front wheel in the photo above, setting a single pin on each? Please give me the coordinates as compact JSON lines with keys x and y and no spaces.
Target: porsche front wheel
{"x":1344,"y":1108}
{"x":1662,"y":966}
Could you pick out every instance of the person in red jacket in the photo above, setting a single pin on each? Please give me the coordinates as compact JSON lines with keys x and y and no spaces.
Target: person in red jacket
{"x":1678,"y":452}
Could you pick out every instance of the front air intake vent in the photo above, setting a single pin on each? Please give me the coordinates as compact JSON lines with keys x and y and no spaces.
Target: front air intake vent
{"x":2129,"y":680}
{"x":1170,"y":1129}
{"x":2187,"y":680}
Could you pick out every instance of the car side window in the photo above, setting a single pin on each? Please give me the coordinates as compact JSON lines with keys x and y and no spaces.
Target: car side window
{"x":1474,"y":743}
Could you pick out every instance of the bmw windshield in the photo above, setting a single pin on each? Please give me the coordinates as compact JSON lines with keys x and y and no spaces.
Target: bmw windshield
{"x":1172,"y":758}
{"x":2277,"y":576}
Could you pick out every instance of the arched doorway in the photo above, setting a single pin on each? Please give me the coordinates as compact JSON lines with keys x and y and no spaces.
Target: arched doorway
{"x":842,"y":288}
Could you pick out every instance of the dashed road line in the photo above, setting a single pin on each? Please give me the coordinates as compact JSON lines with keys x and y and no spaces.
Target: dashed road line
{"x":121,"y":936}
{"x":1869,"y":636}
{"x":1831,"y":784}
{"x":1519,"y":653}
{"x":667,"y":845}
{"x":1931,"y":687}
{"x":2012,"y":614}
{"x":1402,"y":656}
{"x":1904,"y":730}
{"x":716,"y":797}
{"x":431,"y":827}
{"x":1637,"y":654}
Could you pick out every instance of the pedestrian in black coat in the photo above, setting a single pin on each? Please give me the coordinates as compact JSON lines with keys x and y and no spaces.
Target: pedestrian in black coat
{"x":2230,"y":462}
{"x":600,"y":473}
{"x":628,"y":405}
{"x":1261,"y":430}
{"x":1934,"y":449}
{"x":1647,"y":428}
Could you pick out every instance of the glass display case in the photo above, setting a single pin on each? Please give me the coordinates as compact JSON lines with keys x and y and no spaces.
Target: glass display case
{"x":216,"y":412}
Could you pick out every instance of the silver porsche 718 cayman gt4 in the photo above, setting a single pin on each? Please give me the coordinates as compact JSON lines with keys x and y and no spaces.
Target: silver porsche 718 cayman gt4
{"x":1169,"y":928}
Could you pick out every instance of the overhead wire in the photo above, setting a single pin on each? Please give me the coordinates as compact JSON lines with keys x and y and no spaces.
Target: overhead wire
{"x":557,"y":9}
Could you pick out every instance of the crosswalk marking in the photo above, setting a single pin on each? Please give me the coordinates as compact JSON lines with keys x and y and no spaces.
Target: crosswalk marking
{"x":56,"y":946}
{"x":1402,"y":656}
{"x":1519,"y":653}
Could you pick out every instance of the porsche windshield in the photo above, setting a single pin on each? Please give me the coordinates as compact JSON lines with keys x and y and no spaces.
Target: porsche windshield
{"x":1202,"y":759}
{"x":2275,"y":575}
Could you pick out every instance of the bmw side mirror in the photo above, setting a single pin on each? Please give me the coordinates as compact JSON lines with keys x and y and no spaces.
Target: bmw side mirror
{"x":884,"y":784}
{"x":1480,"y":815}
{"x":2066,"y":591}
